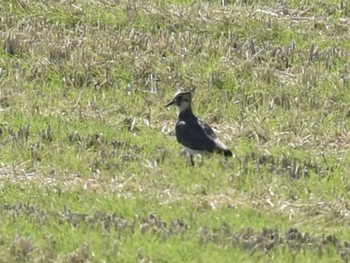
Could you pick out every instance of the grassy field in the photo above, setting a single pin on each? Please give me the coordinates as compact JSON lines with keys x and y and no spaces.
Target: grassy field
{"x":90,"y":170}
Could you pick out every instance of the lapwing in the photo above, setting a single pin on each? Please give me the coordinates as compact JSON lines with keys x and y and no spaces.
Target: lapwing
{"x":195,"y":135}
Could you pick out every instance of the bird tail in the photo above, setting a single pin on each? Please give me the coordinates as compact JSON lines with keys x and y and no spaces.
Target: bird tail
{"x":225,"y":152}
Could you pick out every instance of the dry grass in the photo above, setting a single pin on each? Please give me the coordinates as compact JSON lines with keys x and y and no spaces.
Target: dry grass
{"x":86,"y":143}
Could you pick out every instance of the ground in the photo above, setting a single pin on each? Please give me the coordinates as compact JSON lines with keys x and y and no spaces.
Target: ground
{"x":90,"y":170}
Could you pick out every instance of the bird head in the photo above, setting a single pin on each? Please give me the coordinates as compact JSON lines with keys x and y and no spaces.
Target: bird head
{"x":182,"y":100}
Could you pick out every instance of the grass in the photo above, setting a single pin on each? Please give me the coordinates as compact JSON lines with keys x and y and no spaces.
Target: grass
{"x":90,"y":169}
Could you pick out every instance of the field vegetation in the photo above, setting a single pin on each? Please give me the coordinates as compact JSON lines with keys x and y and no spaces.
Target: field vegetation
{"x":90,"y":170}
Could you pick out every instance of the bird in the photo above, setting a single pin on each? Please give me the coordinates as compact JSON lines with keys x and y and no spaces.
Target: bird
{"x":195,"y":135}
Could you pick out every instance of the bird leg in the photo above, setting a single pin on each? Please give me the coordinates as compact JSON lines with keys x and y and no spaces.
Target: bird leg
{"x":192,"y":161}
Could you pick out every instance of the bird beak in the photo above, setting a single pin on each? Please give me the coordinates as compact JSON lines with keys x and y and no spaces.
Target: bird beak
{"x":170,"y":103}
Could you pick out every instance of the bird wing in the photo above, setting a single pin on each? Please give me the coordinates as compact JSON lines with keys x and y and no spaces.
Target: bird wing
{"x":195,"y":135}
{"x":211,"y":134}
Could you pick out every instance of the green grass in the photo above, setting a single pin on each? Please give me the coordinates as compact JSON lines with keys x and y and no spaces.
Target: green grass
{"x":90,"y":169}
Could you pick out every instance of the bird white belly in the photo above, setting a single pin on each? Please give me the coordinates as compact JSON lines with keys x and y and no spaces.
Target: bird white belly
{"x":192,"y":152}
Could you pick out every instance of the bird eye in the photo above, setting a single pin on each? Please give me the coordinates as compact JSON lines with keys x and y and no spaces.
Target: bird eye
{"x":179,"y":97}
